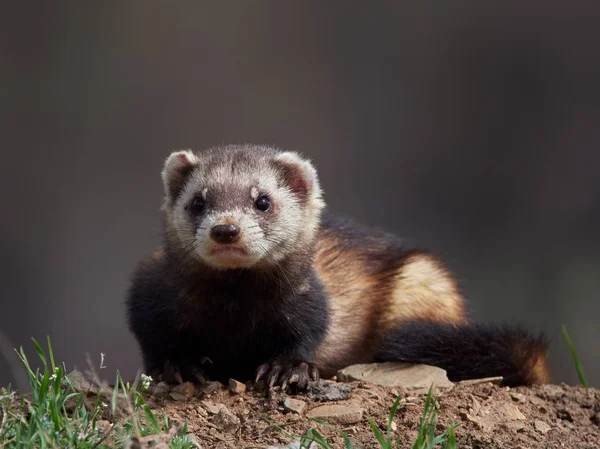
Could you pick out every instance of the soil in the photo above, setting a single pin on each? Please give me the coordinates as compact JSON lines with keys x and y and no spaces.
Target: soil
{"x":490,"y":416}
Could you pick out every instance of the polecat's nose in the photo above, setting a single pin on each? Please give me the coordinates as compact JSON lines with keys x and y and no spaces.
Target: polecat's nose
{"x":225,"y":233}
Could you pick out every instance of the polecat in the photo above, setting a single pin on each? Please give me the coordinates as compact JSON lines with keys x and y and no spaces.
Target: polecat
{"x":254,"y":281}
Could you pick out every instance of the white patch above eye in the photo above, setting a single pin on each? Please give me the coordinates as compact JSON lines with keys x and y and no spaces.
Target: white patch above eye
{"x":254,"y":193}
{"x":204,"y":191}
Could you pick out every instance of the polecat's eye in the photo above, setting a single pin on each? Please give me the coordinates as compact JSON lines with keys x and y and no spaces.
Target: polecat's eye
{"x":197,"y":205}
{"x":262,"y":203}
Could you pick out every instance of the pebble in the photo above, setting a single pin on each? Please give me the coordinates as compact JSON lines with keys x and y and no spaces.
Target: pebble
{"x":178,"y":396}
{"x":211,"y":407}
{"x":294,"y":405}
{"x":541,"y":427}
{"x":323,"y":391}
{"x":236,"y":387}
{"x":161,"y":389}
{"x":393,"y":374}
{"x":517,"y":397}
{"x":186,"y":389}
{"x":337,"y":414}
{"x":511,"y":412}
{"x":211,"y":387}
{"x":227,"y":421}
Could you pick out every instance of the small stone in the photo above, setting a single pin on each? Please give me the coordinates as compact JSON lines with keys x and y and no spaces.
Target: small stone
{"x":294,"y":405}
{"x":511,"y":412}
{"x":178,"y":396}
{"x":392,"y":374}
{"x":393,"y":426}
{"x":323,"y":391}
{"x":541,"y":427}
{"x":236,"y":387}
{"x":186,"y":389}
{"x":211,"y":387}
{"x":337,"y":414}
{"x":226,"y":420}
{"x":161,"y":389}
{"x":211,"y":407}
{"x":517,"y":397}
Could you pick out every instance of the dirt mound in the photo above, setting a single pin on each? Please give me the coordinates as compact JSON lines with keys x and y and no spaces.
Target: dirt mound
{"x":490,"y":416}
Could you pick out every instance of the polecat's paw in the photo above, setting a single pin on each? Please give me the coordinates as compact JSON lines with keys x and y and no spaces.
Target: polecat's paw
{"x":287,"y":373}
{"x":174,"y":373}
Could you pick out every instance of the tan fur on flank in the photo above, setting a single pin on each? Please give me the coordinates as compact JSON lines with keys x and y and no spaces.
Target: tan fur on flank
{"x":423,"y":289}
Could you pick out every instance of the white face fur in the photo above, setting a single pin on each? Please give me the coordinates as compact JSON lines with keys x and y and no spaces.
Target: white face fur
{"x":241,"y":206}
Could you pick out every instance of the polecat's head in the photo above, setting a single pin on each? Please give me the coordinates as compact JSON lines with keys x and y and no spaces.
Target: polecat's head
{"x":241,"y":206}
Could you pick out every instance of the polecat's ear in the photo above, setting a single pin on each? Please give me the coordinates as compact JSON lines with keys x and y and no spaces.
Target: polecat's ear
{"x":177,"y":168}
{"x":299,"y":174}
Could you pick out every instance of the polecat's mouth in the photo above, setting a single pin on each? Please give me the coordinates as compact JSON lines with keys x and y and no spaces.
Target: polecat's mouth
{"x":228,"y":251}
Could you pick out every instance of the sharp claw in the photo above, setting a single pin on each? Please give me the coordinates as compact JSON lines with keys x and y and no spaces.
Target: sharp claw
{"x":286,"y":375}
{"x":261,"y":372}
{"x":314,"y":373}
{"x":273,"y":376}
{"x":302,"y":384}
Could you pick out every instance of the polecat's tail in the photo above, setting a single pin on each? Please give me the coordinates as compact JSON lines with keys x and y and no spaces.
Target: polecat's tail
{"x":471,"y":351}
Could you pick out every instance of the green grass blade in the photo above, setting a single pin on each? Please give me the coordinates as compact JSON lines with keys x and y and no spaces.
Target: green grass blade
{"x":451,"y":438}
{"x":378,"y":435}
{"x":44,"y":386}
{"x":280,"y":428}
{"x":436,"y":440}
{"x":319,"y":439}
{"x":51,"y":353}
{"x":40,"y":352}
{"x":155,"y":425}
{"x":393,"y":412}
{"x":575,"y":357}
{"x":32,"y":377}
{"x":344,"y":435}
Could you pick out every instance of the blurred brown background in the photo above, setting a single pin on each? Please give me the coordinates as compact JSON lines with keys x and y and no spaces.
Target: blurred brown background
{"x":471,"y":127}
